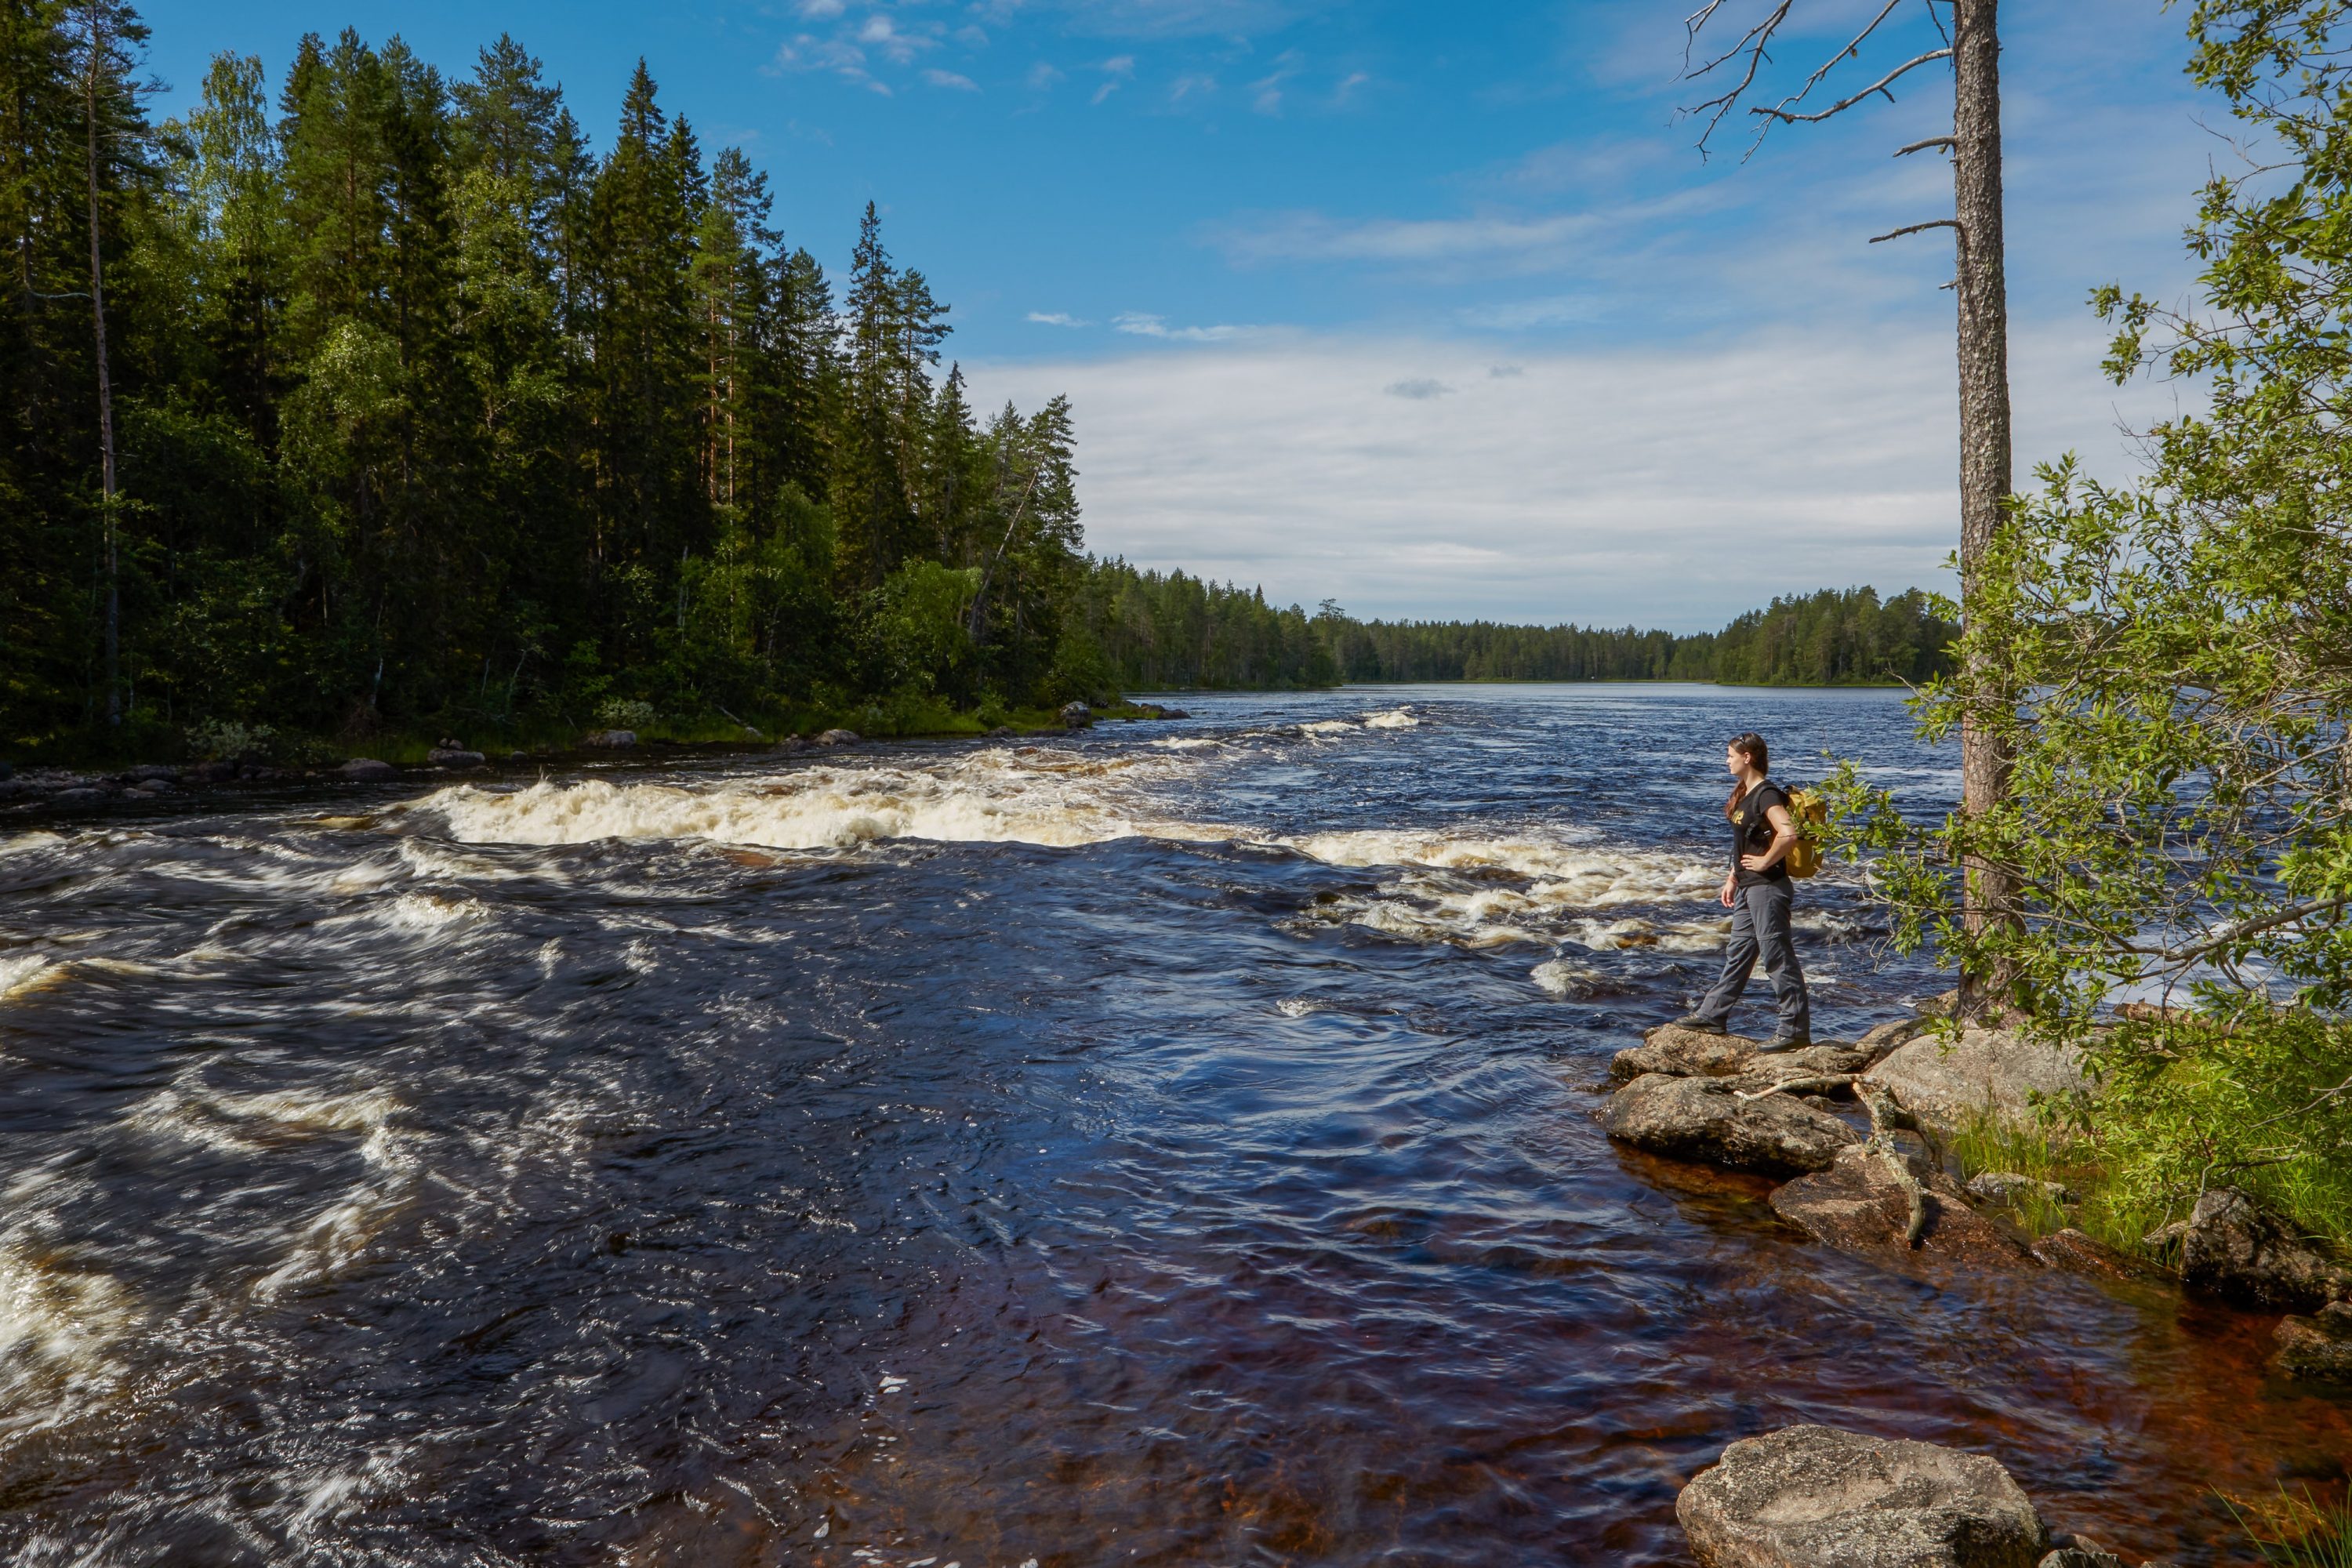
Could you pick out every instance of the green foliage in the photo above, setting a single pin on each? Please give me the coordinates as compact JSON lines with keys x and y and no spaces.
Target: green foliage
{"x":2167,"y":668}
{"x":435,"y":421}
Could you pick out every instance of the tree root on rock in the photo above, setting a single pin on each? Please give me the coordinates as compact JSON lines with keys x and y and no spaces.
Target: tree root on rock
{"x":1887,"y":1116}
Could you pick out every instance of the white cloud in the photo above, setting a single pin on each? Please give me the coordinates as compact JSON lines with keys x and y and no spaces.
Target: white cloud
{"x":951,"y":79}
{"x":1667,"y":487}
{"x":1190,"y":83}
{"x":821,"y":10}
{"x":1139,"y":324}
{"x":1056,"y":319}
{"x":1421,"y":388}
{"x":1042,"y":75}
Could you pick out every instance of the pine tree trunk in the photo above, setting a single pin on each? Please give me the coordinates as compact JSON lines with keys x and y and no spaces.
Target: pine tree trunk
{"x":105,"y":387}
{"x":1985,"y":454}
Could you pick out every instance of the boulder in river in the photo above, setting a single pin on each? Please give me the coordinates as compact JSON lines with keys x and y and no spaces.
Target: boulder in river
{"x":1683,"y":1052}
{"x":1815,"y":1496}
{"x":2235,"y":1249}
{"x":367,"y":769}
{"x":1858,"y":1205}
{"x":1076,"y":716}
{"x":1706,"y":1119}
{"x":610,"y":740}
{"x":839,"y":738}
{"x":2316,"y":1348}
{"x":2082,"y":1554}
{"x":1995,"y":1072}
{"x":456,"y":757}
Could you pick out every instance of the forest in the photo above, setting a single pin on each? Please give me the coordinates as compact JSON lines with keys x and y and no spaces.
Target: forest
{"x":376,"y":403}
{"x":1163,"y":631}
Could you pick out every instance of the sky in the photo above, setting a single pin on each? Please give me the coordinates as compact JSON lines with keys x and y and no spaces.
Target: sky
{"x":1433,"y":310}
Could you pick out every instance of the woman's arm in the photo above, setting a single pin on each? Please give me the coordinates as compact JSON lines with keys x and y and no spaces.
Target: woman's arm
{"x":1784,"y":838}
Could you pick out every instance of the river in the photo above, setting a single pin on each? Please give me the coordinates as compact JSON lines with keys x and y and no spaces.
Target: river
{"x":1170,"y":1144}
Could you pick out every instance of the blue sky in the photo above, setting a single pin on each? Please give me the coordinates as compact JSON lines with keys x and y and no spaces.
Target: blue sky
{"x":1432,"y":309}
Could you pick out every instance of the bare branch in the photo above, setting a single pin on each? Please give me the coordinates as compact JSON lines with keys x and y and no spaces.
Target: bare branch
{"x":2295,"y":914}
{"x":1917,"y":227}
{"x":1881,"y":85}
{"x":1922,"y":146}
{"x":1851,"y":49}
{"x":1752,"y":43}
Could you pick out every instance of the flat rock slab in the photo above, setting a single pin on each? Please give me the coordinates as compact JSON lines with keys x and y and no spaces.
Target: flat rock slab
{"x":1703,"y":1119}
{"x":2235,"y":1249}
{"x":1814,"y":1496}
{"x":1683,"y":1052}
{"x":2316,"y":1348}
{"x":1857,"y":1206}
{"x":1993,"y":1072}
{"x":2077,"y":1253}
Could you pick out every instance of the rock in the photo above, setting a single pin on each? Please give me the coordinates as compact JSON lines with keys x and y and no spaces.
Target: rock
{"x":82,"y":794}
{"x":1701,"y":1119}
{"x":367,"y":769}
{"x":2234,"y":1248}
{"x":1076,"y":716}
{"x":1857,"y":1206}
{"x":2082,"y":1554}
{"x":2316,"y":1349}
{"x":839,"y":738}
{"x":1814,"y":1496}
{"x":154,"y":772}
{"x":213,"y":771}
{"x":1173,"y":713}
{"x":1683,"y":1052}
{"x":2007,"y":1187}
{"x":2078,"y":1254}
{"x":1881,"y":1041}
{"x":1985,"y":1071}
{"x":456,"y":757}
{"x":999,"y":731}
{"x":610,"y":740}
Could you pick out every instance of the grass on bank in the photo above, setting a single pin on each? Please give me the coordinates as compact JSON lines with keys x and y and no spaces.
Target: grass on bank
{"x":2295,"y":1531}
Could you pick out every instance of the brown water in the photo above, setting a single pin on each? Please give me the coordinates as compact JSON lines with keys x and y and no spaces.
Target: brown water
{"x":1131,"y":1151}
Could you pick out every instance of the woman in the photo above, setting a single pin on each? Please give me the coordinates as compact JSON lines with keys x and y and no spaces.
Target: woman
{"x":1757,"y":892}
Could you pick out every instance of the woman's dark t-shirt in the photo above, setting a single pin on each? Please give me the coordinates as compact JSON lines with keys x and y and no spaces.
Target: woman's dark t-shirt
{"x":1751,"y":834}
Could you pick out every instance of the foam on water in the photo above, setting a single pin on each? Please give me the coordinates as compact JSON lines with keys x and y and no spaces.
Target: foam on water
{"x":1394,"y":718}
{"x":58,"y":1319}
{"x":1053,"y":798}
{"x":1565,"y":978}
{"x":24,"y":971}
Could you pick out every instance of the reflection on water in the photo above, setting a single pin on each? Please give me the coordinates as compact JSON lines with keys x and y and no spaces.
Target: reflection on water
{"x":1163,"y":1145}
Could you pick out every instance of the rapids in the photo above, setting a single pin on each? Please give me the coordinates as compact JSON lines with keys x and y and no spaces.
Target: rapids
{"x":1169,"y":1144}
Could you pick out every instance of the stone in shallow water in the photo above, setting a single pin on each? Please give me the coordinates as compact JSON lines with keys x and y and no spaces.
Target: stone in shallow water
{"x":1683,"y":1052}
{"x":367,"y":769}
{"x":1814,"y":1496}
{"x":2316,"y":1349}
{"x":2235,"y":1249}
{"x":1857,"y":1206}
{"x":1703,"y":1119}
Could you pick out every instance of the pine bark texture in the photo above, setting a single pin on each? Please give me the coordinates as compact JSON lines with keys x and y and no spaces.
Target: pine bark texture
{"x":1985,"y":449}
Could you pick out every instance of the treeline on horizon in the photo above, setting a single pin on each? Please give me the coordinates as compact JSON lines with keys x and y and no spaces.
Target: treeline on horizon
{"x":1166,"y":631}
{"x":392,"y":408}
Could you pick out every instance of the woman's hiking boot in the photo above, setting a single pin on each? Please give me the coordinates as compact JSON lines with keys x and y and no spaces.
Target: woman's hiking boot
{"x":1697,"y":1025}
{"x":1789,"y":1042}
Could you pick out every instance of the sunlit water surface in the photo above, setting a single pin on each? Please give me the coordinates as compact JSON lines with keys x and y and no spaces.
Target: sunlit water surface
{"x":1171,"y":1144}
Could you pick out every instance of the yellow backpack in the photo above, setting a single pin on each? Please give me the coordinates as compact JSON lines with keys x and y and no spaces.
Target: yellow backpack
{"x":1807,"y":810}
